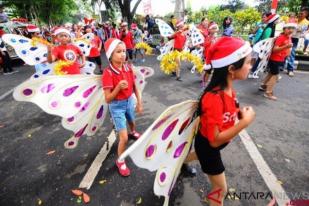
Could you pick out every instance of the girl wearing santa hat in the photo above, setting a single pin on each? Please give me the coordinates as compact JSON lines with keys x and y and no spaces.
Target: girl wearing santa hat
{"x":230,"y":58}
{"x":66,"y":52}
{"x":179,"y":42}
{"x":119,"y":86}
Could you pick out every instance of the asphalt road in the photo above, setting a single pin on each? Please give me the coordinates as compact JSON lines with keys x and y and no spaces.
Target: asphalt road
{"x":28,"y":176}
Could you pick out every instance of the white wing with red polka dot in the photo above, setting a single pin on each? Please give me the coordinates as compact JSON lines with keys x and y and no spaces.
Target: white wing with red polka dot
{"x":165,"y":144}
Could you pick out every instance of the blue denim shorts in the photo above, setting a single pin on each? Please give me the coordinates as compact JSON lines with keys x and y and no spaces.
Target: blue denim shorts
{"x":122,"y":111}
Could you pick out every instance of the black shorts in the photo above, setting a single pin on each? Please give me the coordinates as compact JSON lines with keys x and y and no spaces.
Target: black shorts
{"x":274,"y":67}
{"x":96,"y":60}
{"x":209,"y":157}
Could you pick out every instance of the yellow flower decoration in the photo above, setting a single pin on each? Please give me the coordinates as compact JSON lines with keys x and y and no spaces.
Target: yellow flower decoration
{"x":168,"y":62}
{"x":59,"y":66}
{"x":37,"y":40}
{"x":144,"y":45}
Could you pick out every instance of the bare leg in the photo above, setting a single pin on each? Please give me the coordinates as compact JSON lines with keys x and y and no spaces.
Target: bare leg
{"x":132,"y":126}
{"x":123,"y":140}
{"x":191,"y":157}
{"x":218,"y":188}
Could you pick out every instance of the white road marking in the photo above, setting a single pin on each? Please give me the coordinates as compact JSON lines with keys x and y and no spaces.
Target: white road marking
{"x":3,"y":96}
{"x":268,"y":176}
{"x":97,"y":163}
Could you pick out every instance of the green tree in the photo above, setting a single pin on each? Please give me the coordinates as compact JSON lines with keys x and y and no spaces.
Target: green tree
{"x":246,"y":19}
{"x":49,"y":12}
{"x":234,"y":5}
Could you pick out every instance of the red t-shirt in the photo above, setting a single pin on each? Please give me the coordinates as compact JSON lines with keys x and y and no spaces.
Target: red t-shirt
{"x":115,"y":33}
{"x":209,"y":40}
{"x":203,"y":30}
{"x":180,"y":40}
{"x":127,"y":39}
{"x":95,"y":43}
{"x":68,"y":52}
{"x":280,"y":56}
{"x":112,"y":76}
{"x":217,"y":109}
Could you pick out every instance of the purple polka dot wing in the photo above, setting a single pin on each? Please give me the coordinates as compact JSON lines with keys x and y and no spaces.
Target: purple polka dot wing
{"x":196,"y":36}
{"x":63,"y":95}
{"x":165,"y":144}
{"x":24,"y":48}
{"x":168,"y":47}
{"x":164,"y":28}
{"x":140,"y":75}
{"x":263,"y":48}
{"x":88,"y":120}
{"x":83,"y":44}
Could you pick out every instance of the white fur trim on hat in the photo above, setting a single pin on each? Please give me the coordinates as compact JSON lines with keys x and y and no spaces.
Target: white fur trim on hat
{"x":232,"y":58}
{"x":33,"y":28}
{"x":294,"y":25}
{"x":62,"y":30}
{"x":206,"y":67}
{"x":274,"y":18}
{"x":112,"y":47}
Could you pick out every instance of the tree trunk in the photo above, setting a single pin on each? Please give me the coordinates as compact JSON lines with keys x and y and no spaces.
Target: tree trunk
{"x":125,"y":8}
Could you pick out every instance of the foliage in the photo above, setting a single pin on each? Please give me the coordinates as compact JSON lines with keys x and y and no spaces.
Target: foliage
{"x":43,"y":11}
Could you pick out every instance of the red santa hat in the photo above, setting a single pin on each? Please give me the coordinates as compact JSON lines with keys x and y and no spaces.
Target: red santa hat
{"x":32,"y":28}
{"x":61,"y":30}
{"x":272,"y":18}
{"x":226,"y":51}
{"x":180,"y":22}
{"x":110,"y":45}
{"x":213,"y":25}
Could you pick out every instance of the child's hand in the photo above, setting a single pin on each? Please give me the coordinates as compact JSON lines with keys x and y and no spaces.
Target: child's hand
{"x":139,"y":108}
{"x":49,"y":48}
{"x":289,"y":45}
{"x":247,"y":115}
{"x":123,"y":84}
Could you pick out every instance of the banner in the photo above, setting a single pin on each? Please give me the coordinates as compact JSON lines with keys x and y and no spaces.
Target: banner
{"x":147,"y":7}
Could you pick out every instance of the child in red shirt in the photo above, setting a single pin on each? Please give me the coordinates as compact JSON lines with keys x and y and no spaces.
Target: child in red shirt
{"x":119,"y":86}
{"x":230,"y":59}
{"x":127,"y":37}
{"x":95,"y":52}
{"x":66,"y":52}
{"x":209,"y":40}
{"x":179,"y":42}
{"x":280,"y":52}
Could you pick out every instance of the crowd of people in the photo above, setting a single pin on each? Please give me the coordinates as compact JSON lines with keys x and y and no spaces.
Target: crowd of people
{"x":226,"y":58}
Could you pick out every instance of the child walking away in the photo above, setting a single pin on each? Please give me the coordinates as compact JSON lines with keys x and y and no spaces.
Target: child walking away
{"x":127,"y":37}
{"x":66,"y":52}
{"x":281,"y":50}
{"x":95,"y":52}
{"x":180,"y":39}
{"x":119,"y":86}
{"x":138,"y":38}
{"x":230,"y":58}
{"x":209,"y":40}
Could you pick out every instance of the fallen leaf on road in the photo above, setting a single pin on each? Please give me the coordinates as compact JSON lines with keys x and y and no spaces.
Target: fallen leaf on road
{"x":232,"y":190}
{"x":260,"y":146}
{"x":86,"y":198}
{"x":29,"y":135}
{"x":205,"y":200}
{"x":40,"y":201}
{"x":201,"y":190}
{"x":139,"y":201}
{"x":79,"y":200}
{"x":102,"y":182}
{"x":287,"y":160}
{"x":279,"y":182}
{"x":77,"y":192}
{"x":51,"y":152}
